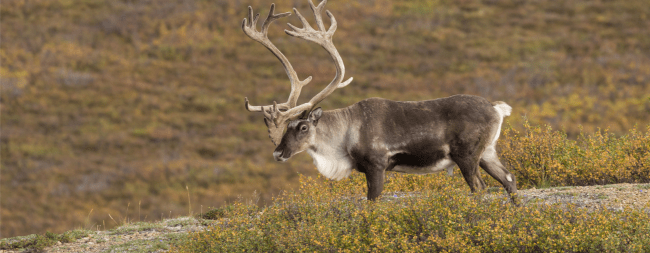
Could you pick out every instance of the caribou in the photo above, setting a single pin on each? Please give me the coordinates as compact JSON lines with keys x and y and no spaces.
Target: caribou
{"x":376,"y":135}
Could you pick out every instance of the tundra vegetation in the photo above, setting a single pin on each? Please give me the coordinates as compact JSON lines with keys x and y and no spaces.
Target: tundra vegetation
{"x":106,"y":104}
{"x":438,"y":213}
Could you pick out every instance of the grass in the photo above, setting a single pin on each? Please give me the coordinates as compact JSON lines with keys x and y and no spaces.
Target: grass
{"x":644,"y":186}
{"x":138,"y":226}
{"x":38,"y":242}
{"x":180,"y":222}
{"x":565,"y":194}
{"x":162,"y":242}
{"x":169,"y":236}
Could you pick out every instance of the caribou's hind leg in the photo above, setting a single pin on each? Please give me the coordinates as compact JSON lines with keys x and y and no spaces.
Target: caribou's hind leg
{"x":491,"y":164}
{"x":469,"y":168}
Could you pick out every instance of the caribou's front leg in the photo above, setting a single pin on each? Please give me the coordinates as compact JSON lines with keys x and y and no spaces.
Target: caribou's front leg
{"x":375,"y":181}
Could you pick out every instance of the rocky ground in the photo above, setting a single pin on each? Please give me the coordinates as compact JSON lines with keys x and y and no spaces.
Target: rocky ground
{"x":613,"y":197}
{"x":156,"y":237}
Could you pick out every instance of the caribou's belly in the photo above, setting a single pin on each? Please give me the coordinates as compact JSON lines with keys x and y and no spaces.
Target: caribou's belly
{"x":442,"y":164}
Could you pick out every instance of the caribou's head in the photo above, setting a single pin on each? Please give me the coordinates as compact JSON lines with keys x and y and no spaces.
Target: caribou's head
{"x":279,"y":117}
{"x":299,"y":136}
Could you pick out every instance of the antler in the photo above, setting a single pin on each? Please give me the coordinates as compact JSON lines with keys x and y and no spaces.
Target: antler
{"x":249,"y":27}
{"x":323,"y":38}
{"x":281,"y":114}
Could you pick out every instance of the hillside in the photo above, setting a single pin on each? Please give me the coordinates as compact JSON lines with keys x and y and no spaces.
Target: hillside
{"x":108,"y":107}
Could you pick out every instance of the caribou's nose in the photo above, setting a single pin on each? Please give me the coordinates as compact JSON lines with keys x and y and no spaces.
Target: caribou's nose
{"x":277,"y":154}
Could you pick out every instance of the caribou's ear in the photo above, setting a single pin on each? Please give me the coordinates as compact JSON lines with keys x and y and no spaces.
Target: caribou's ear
{"x":315,"y":115}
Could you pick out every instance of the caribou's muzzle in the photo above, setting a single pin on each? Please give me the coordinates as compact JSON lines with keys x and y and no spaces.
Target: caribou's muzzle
{"x":281,"y":155}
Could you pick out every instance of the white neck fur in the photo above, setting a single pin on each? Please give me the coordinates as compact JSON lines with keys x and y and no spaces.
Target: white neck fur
{"x":329,"y":151}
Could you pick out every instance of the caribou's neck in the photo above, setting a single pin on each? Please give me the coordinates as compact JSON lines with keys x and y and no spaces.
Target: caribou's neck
{"x":330,"y":148}
{"x":333,"y":127}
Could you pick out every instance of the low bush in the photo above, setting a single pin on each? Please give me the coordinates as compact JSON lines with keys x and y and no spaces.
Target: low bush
{"x":439,"y":214}
{"x":540,"y":156}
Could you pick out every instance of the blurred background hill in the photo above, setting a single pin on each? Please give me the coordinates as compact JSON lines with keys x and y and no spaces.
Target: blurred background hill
{"x":118,"y":106}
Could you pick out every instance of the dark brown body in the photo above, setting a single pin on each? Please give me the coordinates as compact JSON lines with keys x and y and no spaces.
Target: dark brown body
{"x":377,"y":135}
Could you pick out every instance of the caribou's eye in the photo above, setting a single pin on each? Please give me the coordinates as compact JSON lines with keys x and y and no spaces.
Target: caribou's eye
{"x":303,"y":128}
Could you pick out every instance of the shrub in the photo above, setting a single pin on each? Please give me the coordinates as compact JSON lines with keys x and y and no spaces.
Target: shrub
{"x":439,"y":216}
{"x":540,"y":157}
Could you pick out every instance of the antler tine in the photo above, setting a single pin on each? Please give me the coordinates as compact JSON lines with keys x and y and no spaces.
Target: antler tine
{"x":317,"y":13}
{"x":266,"y":111}
{"x":343,"y":84}
{"x":304,"y":22}
{"x":250,"y":18}
{"x":251,"y":21}
{"x":251,"y":108}
{"x":333,"y":24}
{"x":257,"y":16}
{"x":272,"y":17}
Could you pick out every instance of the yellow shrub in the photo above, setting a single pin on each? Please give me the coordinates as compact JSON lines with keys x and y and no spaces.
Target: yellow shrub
{"x":541,"y":157}
{"x":328,"y":216}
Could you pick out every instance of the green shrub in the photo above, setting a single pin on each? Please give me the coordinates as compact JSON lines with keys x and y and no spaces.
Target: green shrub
{"x":440,"y":215}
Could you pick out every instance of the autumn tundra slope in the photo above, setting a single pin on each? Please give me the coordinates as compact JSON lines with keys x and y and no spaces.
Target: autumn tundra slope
{"x":127,"y":107}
